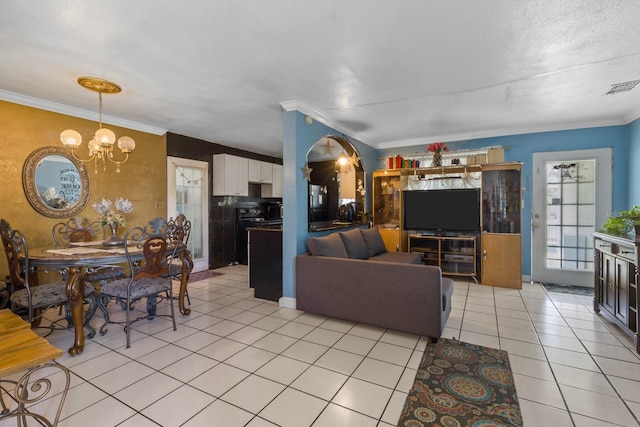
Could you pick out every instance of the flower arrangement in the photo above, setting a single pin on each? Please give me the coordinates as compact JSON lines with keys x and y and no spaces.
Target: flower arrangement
{"x":111,"y":216}
{"x":437,"y":147}
{"x":360,"y":189}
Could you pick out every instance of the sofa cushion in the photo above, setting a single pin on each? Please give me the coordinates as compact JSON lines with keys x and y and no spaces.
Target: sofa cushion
{"x":329,"y":245}
{"x":354,"y":244}
{"x":399,"y":257}
{"x":373,"y":240}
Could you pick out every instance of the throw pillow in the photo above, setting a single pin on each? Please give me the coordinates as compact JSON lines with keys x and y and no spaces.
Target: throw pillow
{"x":354,"y":244}
{"x":373,"y":240}
{"x":329,"y":245}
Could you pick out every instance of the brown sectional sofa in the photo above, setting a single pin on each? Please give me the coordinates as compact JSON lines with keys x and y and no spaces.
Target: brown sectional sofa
{"x":350,"y":275}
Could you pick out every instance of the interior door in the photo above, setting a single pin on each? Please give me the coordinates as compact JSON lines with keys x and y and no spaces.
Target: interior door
{"x":187,"y":193}
{"x":569,"y":188}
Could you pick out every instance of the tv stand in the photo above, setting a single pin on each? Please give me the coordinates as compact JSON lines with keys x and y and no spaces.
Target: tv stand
{"x":455,"y":255}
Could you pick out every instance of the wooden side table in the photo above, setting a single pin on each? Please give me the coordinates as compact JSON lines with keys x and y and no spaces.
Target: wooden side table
{"x":20,"y":349}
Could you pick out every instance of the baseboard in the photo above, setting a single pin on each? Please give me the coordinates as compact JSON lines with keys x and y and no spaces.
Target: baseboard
{"x":287,"y":302}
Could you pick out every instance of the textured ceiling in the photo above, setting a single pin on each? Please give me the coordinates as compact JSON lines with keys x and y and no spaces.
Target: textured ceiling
{"x":388,"y":73}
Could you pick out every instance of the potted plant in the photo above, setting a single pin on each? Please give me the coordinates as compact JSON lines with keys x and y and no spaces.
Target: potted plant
{"x":616,"y":225}
{"x":632,"y":217}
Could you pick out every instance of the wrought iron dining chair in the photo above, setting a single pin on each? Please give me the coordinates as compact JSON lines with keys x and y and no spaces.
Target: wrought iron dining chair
{"x":147,"y":278}
{"x":179,"y":230}
{"x":79,"y":229}
{"x":35,"y":299}
{"x":75,"y":229}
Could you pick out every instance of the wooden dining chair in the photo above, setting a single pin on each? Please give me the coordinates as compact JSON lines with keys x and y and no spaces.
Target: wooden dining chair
{"x":148,"y":278}
{"x":35,"y":299}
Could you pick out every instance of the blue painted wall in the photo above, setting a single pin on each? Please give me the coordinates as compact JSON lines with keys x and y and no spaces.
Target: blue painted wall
{"x":299,"y":137}
{"x":634,"y":161}
{"x":521,"y":148}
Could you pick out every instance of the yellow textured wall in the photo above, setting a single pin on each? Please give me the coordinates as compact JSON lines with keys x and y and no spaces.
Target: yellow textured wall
{"x":142,"y":180}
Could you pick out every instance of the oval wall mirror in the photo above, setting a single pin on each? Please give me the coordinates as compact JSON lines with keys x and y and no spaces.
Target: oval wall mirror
{"x":55,"y":184}
{"x":336,"y":184}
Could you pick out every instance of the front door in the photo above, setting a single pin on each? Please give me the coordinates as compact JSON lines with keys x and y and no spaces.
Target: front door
{"x":571,"y":193}
{"x":187,"y":194}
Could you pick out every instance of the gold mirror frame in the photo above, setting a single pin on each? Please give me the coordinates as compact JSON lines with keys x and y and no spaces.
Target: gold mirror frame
{"x":35,"y":198}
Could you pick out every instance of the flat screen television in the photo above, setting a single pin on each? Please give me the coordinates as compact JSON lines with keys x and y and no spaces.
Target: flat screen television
{"x":455,"y":210}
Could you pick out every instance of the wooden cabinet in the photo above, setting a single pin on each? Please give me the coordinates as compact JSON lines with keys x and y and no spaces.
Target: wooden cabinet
{"x":387,"y":209}
{"x":260,"y":172}
{"x":501,"y":225}
{"x":394,"y":239}
{"x":501,"y":260}
{"x":616,"y":281}
{"x":230,"y":175}
{"x":456,"y":256}
{"x":275,"y":188}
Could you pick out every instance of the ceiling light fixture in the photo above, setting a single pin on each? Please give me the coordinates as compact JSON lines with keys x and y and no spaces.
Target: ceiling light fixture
{"x":343,"y":164}
{"x":101,"y":145}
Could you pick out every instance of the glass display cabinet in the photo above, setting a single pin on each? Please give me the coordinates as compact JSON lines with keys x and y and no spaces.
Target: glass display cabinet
{"x":501,"y":225}
{"x":387,"y":209}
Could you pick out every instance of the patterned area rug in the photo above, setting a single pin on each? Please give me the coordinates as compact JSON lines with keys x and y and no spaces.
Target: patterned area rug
{"x":201,"y":275}
{"x":462,"y":385}
{"x":567,"y":289}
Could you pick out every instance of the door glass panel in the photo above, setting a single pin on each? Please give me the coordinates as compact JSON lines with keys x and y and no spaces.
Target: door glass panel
{"x":189,"y":183}
{"x":570,"y":196}
{"x":553,"y":215}
{"x":553,"y":238}
{"x":586,"y":192}
{"x":569,"y":215}
{"x":187,"y":194}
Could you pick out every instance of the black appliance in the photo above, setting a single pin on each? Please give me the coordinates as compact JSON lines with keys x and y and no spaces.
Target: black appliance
{"x":454,"y":210}
{"x":318,"y":206}
{"x":347,"y":212}
{"x":272,"y":210}
{"x":249,"y":215}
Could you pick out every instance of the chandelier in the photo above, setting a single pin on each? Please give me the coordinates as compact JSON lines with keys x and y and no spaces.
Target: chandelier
{"x":343,"y":164}
{"x":101,"y":145}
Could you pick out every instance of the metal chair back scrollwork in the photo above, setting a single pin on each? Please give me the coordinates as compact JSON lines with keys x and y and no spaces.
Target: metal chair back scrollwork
{"x":74,"y":230}
{"x":148,"y":278}
{"x":179,"y":231}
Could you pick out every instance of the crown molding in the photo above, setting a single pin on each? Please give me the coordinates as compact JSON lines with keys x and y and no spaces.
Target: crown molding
{"x":499,"y":132}
{"x":320,"y":116}
{"x":29,"y":101}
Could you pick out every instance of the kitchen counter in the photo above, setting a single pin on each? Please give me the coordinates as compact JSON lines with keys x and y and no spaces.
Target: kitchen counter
{"x":267,"y":227}
{"x":331,"y":225}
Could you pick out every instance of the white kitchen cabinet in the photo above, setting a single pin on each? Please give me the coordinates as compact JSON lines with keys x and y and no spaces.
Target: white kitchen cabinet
{"x":275,"y":188}
{"x":230,"y":175}
{"x":260,"y":172}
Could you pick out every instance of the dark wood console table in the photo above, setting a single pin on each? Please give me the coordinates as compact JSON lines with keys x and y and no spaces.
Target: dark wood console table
{"x":616,"y":281}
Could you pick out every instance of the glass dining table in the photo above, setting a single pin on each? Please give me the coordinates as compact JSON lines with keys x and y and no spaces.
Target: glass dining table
{"x":80,"y":258}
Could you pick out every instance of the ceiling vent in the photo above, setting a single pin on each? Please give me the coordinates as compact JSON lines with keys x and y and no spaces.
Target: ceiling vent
{"x":622,"y":87}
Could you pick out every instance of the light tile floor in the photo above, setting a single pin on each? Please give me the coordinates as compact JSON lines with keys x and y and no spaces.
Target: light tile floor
{"x":241,"y":361}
